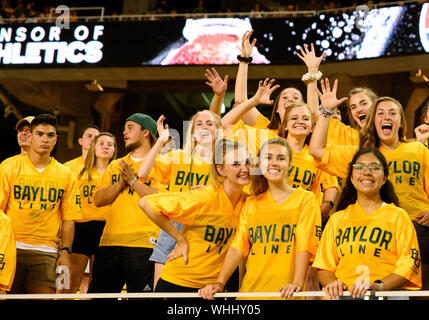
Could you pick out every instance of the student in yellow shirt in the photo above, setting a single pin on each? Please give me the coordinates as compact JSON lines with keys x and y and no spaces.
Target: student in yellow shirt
{"x":128,"y":237}
{"x":181,"y":170}
{"x":296,"y":127}
{"x":23,"y":137}
{"x":371,"y":243}
{"x":278,"y":232}
{"x":41,"y":198}
{"x":88,"y":232}
{"x":87,"y":135}
{"x":385,"y":130}
{"x":7,"y":252}
{"x":211,"y":215}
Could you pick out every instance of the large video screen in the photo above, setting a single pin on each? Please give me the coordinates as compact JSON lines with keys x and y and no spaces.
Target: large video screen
{"x":344,"y":36}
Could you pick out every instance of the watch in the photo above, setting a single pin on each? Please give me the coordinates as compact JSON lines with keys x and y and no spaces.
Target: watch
{"x":66,"y":249}
{"x":331,"y":203}
{"x":380,"y":284}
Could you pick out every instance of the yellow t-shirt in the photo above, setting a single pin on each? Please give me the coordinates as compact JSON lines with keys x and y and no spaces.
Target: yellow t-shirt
{"x":38,"y":202}
{"x":251,"y":137}
{"x":7,"y":253}
{"x":270,"y":236}
{"x":11,"y":158}
{"x":126,"y":224}
{"x":339,"y":133}
{"x":262,"y":123}
{"x":408,"y":171}
{"x":211,"y":223}
{"x":360,"y":246}
{"x":304,"y":173}
{"x":180,"y":171}
{"x":86,"y":189}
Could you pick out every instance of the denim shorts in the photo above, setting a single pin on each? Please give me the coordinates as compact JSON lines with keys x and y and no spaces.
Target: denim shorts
{"x":164,"y":245}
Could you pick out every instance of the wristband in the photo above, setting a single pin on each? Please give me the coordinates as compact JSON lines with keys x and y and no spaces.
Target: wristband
{"x":312,"y":76}
{"x":244,"y":59}
{"x":133,"y":182}
{"x":325,"y":112}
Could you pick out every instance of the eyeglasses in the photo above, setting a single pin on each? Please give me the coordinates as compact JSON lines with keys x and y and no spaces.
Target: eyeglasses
{"x":373,"y":167}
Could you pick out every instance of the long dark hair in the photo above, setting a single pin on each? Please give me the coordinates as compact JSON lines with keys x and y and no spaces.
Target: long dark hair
{"x":349,"y":194}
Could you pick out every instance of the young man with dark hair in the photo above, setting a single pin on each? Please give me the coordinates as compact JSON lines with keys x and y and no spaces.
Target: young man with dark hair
{"x":40,"y":197}
{"x":129,"y":235}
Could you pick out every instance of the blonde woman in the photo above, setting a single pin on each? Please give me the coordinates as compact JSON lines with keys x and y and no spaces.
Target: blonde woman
{"x":278,"y":232}
{"x":211,"y":216}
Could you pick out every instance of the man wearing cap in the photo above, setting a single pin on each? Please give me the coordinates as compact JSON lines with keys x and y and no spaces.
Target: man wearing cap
{"x":129,"y":236}
{"x":23,"y":136}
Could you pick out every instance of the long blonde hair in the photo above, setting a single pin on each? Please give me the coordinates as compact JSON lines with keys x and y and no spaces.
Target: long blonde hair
{"x":222,"y":147}
{"x":190,"y":143}
{"x":259,"y":183}
{"x":91,"y":157}
{"x":282,"y":129}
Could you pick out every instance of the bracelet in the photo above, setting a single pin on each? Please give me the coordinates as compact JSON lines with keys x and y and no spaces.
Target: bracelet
{"x":244,"y":59}
{"x":326,"y":113}
{"x":133,"y":182}
{"x":312,"y":76}
{"x":220,"y":283}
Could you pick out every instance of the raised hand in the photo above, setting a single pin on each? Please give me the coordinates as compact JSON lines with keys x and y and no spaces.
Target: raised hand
{"x":422,"y":132}
{"x":328,"y":97}
{"x":265,"y":90}
{"x":163,"y":132}
{"x":246,"y":46}
{"x":310,"y":59}
{"x":215,"y":82}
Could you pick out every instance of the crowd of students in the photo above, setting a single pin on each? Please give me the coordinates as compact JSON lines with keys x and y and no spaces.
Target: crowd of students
{"x":298,"y":202}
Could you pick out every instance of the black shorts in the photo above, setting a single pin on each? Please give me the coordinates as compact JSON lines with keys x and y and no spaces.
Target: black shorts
{"x":423,"y":238}
{"x":116,"y":266}
{"x":165,"y":286}
{"x":87,"y":237}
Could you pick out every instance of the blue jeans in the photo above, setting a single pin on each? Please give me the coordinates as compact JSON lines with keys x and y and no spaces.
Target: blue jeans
{"x":164,"y":245}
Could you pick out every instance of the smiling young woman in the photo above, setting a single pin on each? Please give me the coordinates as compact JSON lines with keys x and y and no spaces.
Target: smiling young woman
{"x":385,"y":130}
{"x":369,"y":234}
{"x":278,"y":257}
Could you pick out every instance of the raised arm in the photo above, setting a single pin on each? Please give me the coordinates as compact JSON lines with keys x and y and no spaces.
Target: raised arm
{"x":218,"y":86}
{"x":262,"y":96}
{"x":329,"y":102}
{"x":240,"y":91}
{"x":312,"y":62}
{"x":149,"y":160}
